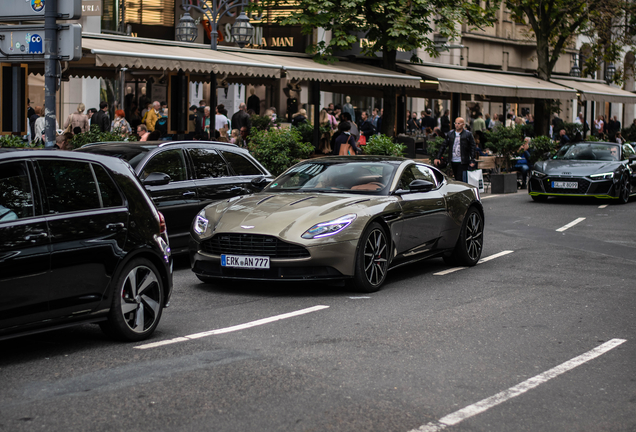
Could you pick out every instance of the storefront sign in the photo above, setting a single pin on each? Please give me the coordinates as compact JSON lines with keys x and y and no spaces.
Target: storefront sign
{"x":357,"y":49}
{"x":287,"y":38}
{"x":91,"y":7}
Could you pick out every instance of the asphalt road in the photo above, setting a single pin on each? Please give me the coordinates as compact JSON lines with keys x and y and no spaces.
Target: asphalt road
{"x":496,"y":347}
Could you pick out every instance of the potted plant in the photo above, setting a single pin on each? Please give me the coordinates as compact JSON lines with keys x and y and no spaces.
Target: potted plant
{"x":382,"y":145}
{"x":504,"y":143}
{"x":278,"y":149}
{"x":12,"y":141}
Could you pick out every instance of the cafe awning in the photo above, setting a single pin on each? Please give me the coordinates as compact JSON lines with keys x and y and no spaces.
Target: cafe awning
{"x":117,"y":53}
{"x":597,"y":91}
{"x":502,"y":84}
{"x":305,"y":68}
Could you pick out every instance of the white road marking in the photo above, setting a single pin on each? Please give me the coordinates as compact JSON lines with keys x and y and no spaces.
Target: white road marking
{"x":485,"y":404}
{"x":571,"y":224}
{"x":602,"y":206}
{"x":481,"y":261}
{"x":233,"y":328}
{"x":358,"y":298}
{"x":489,"y":196}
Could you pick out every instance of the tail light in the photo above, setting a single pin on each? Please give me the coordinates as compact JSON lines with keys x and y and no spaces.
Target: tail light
{"x":162,"y":223}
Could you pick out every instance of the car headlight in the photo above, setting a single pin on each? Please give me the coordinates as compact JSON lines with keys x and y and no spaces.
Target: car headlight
{"x":200,"y":223}
{"x":328,"y":228}
{"x":538,"y":174}
{"x":603,"y":176}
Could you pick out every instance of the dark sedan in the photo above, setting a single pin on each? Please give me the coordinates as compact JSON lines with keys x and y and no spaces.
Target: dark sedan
{"x":351,"y":218}
{"x":182,"y":177}
{"x":80,"y":242}
{"x":586,"y":169}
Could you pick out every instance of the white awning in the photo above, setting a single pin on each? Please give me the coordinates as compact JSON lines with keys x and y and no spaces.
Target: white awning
{"x":467,"y":81}
{"x":597,"y":91}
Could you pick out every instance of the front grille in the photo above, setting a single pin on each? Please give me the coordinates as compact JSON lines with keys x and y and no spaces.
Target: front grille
{"x":583,"y":186}
{"x":253,"y":244}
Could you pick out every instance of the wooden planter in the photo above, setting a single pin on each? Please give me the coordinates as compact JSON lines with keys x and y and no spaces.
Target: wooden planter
{"x":503,"y":183}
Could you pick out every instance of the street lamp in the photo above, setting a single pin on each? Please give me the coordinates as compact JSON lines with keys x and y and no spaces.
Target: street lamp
{"x":609,"y":73}
{"x":187,"y":30}
{"x":242,"y":31}
{"x":576,"y":70}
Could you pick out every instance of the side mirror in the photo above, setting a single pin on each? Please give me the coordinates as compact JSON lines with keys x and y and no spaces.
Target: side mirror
{"x":632,"y":159}
{"x":156,"y":179}
{"x":421,"y":186}
{"x":260,"y":182}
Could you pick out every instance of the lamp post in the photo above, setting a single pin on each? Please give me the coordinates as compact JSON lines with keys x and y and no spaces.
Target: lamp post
{"x":576,"y":70}
{"x":242,"y":31}
{"x":609,"y":73}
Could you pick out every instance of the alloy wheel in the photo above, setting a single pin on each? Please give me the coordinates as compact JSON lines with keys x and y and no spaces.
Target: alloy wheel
{"x":141,"y":298}
{"x":474,"y":235}
{"x":375,"y":257}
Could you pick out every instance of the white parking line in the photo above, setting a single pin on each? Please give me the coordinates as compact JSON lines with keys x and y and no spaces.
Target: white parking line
{"x":571,"y":224}
{"x":490,"y":196}
{"x":233,"y":328}
{"x":519,"y":389}
{"x":481,"y":261}
{"x":602,"y":206}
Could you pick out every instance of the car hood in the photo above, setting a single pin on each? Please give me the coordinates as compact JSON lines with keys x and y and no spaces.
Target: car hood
{"x":289,"y":215}
{"x":575,"y":168}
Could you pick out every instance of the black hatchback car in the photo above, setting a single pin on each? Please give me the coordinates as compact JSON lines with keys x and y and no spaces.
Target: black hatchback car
{"x":182,"y":177}
{"x":80,"y":241}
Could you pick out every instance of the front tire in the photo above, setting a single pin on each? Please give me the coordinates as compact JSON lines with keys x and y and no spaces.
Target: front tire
{"x":372,"y":260}
{"x":470,"y":243}
{"x":137,"y":302}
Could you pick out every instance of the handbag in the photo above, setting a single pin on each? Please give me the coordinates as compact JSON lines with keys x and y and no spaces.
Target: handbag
{"x":362,"y":140}
{"x":476,"y":178}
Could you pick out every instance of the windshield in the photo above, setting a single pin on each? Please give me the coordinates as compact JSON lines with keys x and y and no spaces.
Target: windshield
{"x":133,"y":154}
{"x":346,"y":177}
{"x":589,"y":151}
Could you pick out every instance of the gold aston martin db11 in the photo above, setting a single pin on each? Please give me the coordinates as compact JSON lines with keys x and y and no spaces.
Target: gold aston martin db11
{"x":341,"y":217}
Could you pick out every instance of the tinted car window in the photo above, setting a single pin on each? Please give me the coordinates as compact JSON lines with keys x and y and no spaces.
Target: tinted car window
{"x":70,"y":186}
{"x":241,"y":165}
{"x":627,"y":151}
{"x":169,"y":162}
{"x":16,"y":199}
{"x":108,"y":191}
{"x":207,"y":163}
{"x":425,"y":173}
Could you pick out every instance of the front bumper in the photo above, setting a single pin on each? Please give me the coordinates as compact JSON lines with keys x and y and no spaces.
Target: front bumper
{"x":326,"y":262}
{"x":605,"y":189}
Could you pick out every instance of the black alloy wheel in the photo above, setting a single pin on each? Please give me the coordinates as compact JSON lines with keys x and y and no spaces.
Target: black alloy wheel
{"x":471,"y":240}
{"x":372,"y":260}
{"x":137,"y":302}
{"x":624,"y":191}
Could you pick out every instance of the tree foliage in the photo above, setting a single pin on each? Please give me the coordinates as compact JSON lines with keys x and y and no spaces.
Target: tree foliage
{"x":382,"y":145}
{"x":389,"y":25}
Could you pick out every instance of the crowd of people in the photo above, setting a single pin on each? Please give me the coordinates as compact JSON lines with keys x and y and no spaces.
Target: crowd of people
{"x":343,"y":135}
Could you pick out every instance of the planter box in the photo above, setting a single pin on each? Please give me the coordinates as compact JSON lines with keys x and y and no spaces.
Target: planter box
{"x":503,"y":183}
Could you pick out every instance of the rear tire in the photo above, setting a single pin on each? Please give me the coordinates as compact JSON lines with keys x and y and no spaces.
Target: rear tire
{"x":137,"y":302}
{"x":471,"y":240}
{"x":623,"y":194}
{"x":372,"y":260}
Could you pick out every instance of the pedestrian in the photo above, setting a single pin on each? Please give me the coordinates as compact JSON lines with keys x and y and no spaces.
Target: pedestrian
{"x":234,"y":137}
{"x":243,"y":137}
{"x":374,"y":118}
{"x":412,"y":124}
{"x":37,"y":111}
{"x":153,"y":116}
{"x":299,"y":117}
{"x":325,"y":137}
{"x":90,"y":113}
{"x":241,"y":118}
{"x":223,"y":135}
{"x":461,"y":150}
{"x":523,"y":164}
{"x":563,"y":138}
{"x":142,"y":132}
{"x":220,"y":119}
{"x":102,"y":119}
{"x":366,"y":128}
{"x":345,"y":142}
{"x":445,"y":122}
{"x":479,"y":124}
{"x":120,"y":125}
{"x":205,"y":124}
{"x":353,"y":128}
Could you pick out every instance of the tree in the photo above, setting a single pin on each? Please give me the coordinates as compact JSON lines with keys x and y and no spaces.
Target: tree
{"x":389,"y":25}
{"x":609,"y":24}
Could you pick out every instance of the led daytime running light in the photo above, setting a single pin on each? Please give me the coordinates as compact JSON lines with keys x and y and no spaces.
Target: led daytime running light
{"x":603,"y":176}
{"x":200,"y":223}
{"x":329,"y":228}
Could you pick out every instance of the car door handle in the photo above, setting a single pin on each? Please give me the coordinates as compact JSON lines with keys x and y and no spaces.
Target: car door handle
{"x":189,"y":193}
{"x":439,"y":203}
{"x":115,"y":226}
{"x":34,"y":237}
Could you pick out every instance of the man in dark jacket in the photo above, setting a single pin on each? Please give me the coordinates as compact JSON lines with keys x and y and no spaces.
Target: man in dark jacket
{"x":101,"y":118}
{"x":241,"y":118}
{"x":445,"y":122}
{"x":461,"y":150}
{"x":367,"y":129}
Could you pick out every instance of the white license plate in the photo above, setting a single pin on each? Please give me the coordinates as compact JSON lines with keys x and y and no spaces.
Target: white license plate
{"x":247,"y":262}
{"x":564,"y":185}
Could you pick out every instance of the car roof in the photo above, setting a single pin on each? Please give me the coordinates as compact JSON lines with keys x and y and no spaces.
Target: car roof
{"x":155,"y":144}
{"x":53,"y":153}
{"x":335,"y":159}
